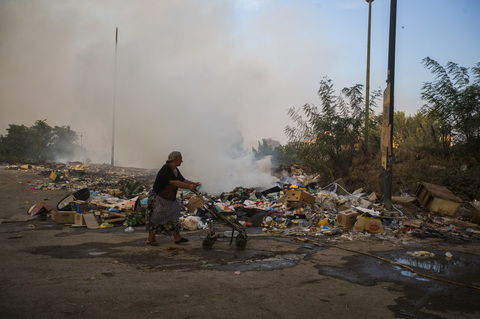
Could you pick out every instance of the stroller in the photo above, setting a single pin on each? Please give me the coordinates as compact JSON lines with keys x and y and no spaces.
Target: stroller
{"x":215,"y":215}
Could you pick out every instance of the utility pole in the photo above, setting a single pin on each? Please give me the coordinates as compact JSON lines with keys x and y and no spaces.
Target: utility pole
{"x":388,"y":112}
{"x":114,"y":93}
{"x":367,"y":85}
{"x":81,"y":138}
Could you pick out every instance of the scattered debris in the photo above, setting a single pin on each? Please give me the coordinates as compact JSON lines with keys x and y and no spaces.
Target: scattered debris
{"x":104,"y":196}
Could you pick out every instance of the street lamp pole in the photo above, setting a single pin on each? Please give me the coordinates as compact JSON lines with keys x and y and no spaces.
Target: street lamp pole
{"x":367,"y":86}
{"x":388,"y":111}
{"x":114,"y":93}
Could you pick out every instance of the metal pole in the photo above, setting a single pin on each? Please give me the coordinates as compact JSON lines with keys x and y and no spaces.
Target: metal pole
{"x":367,"y":86}
{"x":387,"y":194}
{"x":114,"y":93}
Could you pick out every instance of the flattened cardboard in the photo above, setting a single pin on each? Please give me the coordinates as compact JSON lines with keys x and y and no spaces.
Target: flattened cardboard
{"x":195,"y":202}
{"x":91,"y":221}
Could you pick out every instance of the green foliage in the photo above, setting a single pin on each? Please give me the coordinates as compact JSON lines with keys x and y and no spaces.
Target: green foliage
{"x":265,"y":148}
{"x":12,"y":146}
{"x":328,"y":140}
{"x":38,"y":143}
{"x":281,"y":155}
{"x":414,"y":132}
{"x":454,"y":99}
{"x":287,"y":155}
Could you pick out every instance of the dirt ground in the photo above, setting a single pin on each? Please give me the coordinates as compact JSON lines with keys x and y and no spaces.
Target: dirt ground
{"x":49,"y":270}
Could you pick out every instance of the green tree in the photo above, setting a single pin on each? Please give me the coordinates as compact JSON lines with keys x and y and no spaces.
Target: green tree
{"x":412,"y":132}
{"x":38,"y":143}
{"x":63,"y":143}
{"x":287,"y":155}
{"x":14,"y":144}
{"x":265,"y":148}
{"x":328,"y":140}
{"x":454,"y":98}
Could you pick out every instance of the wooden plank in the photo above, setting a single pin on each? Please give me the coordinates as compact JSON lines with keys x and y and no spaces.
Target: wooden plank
{"x":113,"y":220}
{"x":440,"y":192}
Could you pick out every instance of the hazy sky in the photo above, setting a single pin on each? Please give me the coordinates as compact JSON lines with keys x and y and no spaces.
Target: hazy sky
{"x":209,"y":78}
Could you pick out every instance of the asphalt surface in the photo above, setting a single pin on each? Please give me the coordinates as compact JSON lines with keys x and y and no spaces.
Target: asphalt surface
{"x":48,"y":270}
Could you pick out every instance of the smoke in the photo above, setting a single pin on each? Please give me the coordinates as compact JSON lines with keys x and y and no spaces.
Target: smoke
{"x":207,"y":78}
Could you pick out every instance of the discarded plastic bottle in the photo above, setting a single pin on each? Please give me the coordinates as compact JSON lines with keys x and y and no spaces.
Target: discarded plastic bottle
{"x":111,"y":209}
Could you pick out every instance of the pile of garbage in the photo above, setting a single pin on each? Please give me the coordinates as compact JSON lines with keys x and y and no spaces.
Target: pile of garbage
{"x":296,"y":205}
{"x":102,"y":178}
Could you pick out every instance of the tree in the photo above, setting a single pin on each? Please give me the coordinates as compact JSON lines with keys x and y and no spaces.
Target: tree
{"x":454,"y":98}
{"x":330,"y":139}
{"x":414,"y":131}
{"x":41,"y":139}
{"x":14,"y":144}
{"x":38,"y":143}
{"x":265,"y":148}
{"x":63,"y":143}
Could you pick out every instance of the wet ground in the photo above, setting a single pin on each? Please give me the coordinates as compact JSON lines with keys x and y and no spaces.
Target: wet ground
{"x":49,"y":270}
{"x":427,"y":285}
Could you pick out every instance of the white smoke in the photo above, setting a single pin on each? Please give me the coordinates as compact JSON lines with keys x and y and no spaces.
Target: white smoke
{"x":189,"y":76}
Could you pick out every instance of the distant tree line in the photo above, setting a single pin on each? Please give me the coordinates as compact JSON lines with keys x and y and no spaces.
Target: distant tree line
{"x":39,"y":143}
{"x":329,"y":139}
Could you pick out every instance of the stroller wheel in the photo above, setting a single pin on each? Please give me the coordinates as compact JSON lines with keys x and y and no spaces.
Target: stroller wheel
{"x":240,"y":242}
{"x":208,"y":243}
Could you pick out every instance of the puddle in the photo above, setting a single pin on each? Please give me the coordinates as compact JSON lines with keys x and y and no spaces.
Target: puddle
{"x":418,"y":293}
{"x":219,"y":259}
{"x":98,"y":253}
{"x":277,"y":262}
{"x":461,"y":267}
{"x":89,"y":250}
{"x":437,"y":264}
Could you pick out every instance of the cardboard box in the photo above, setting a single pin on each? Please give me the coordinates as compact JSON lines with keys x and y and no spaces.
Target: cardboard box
{"x":347,"y":218}
{"x":438,"y":199}
{"x":371,"y":225}
{"x":359,"y":226}
{"x":80,"y":206}
{"x":195,"y":202}
{"x":300,"y":196}
{"x":79,"y":219}
{"x":63,"y":217}
{"x":296,"y":204}
{"x":39,"y":208}
{"x":53,"y":176}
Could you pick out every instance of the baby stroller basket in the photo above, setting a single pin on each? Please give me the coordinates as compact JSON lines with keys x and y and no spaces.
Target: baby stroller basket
{"x":237,"y":228}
